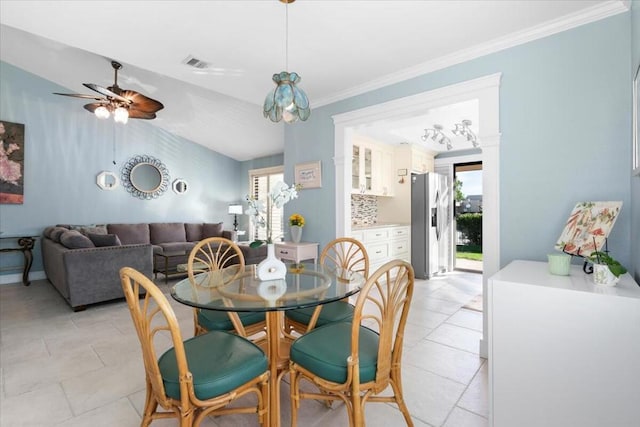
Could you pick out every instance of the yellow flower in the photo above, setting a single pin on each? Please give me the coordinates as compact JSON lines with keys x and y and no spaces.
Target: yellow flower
{"x":296,"y":219}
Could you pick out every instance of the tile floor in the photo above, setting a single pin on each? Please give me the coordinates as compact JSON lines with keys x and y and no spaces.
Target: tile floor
{"x":60,"y":368}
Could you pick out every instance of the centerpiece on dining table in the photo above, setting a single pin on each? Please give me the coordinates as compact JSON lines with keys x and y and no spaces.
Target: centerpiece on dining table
{"x":261,"y":213}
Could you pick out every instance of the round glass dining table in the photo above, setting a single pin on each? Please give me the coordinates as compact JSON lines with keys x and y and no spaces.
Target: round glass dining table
{"x":238,"y":289}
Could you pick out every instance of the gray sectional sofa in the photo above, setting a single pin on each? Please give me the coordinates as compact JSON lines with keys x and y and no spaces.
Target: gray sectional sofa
{"x":83,"y":262}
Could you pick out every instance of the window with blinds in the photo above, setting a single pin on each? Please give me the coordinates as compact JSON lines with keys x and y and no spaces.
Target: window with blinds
{"x":261,"y":182}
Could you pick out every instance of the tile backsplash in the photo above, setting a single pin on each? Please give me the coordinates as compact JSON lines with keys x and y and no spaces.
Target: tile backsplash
{"x":364,"y":209}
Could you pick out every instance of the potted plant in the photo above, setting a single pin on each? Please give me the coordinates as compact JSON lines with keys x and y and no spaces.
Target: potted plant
{"x":296,"y":222}
{"x":606,"y":270}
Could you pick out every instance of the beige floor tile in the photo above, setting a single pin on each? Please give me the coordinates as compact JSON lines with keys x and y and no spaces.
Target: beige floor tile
{"x":45,"y":406}
{"x":119,"y":413}
{"x":22,"y":351}
{"x":24,"y":376}
{"x":476,"y":397}
{"x":103,"y":386}
{"x":469,"y":319}
{"x":429,"y":397}
{"x":75,"y":337}
{"x":426,"y":318}
{"x":450,"y":293}
{"x":461,"y":418}
{"x":445,"y":361}
{"x":376,"y":415}
{"x":455,"y":336}
{"x":438,"y":305}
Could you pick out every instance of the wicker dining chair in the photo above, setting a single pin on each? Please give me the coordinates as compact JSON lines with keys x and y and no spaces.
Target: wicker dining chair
{"x":199,"y":376}
{"x":214,"y":254}
{"x":355,"y":362}
{"x":342,"y":254}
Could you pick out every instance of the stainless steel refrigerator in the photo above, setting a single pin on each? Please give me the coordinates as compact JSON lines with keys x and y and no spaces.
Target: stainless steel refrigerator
{"x":429,"y":216}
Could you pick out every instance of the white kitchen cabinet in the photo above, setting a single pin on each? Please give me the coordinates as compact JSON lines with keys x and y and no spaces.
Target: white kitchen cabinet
{"x":372,"y":169}
{"x":421,"y":160}
{"x":562,"y":351}
{"x":384,"y":243}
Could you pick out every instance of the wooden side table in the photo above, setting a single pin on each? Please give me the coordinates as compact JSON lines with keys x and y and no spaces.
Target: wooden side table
{"x":25,"y":245}
{"x":297,"y":252}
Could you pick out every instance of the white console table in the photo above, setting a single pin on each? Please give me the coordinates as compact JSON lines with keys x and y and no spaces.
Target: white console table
{"x":563,"y":352}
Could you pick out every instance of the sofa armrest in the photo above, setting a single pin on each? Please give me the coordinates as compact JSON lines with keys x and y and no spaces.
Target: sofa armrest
{"x":230,"y":234}
{"x":93,"y":274}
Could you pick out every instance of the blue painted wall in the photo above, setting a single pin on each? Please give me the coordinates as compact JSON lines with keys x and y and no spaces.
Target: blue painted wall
{"x":66,"y":147}
{"x":566,"y":130}
{"x":635,"y":181}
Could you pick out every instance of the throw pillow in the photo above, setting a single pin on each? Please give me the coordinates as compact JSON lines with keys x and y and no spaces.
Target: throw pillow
{"x":73,"y":239}
{"x":101,"y":240}
{"x":56,"y":233}
{"x":211,"y":230}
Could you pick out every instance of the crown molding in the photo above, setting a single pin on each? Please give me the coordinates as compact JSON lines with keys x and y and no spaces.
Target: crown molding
{"x":586,"y":16}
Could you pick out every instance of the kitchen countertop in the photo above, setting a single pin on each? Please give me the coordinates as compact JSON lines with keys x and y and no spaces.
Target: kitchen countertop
{"x":355,"y":227}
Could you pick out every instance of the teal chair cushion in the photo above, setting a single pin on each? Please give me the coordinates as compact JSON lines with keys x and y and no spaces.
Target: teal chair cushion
{"x":213,"y":320}
{"x":324,"y":351}
{"x":338,"y":311}
{"x":219,"y":362}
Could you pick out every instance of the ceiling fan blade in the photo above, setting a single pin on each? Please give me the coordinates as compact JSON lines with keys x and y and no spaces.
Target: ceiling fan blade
{"x":106,"y":92}
{"x":142,"y":103}
{"x":137,"y":114}
{"x":77,"y":95}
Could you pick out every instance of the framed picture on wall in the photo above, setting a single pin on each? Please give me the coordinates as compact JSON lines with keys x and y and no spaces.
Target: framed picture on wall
{"x":636,"y":123}
{"x":11,"y":163}
{"x":309,"y":175}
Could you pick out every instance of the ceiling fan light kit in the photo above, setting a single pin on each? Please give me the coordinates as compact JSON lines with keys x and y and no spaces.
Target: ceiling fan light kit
{"x":122,"y":103}
{"x":286,"y":101}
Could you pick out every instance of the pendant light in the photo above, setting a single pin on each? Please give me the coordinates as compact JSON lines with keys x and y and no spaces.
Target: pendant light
{"x":286,"y":101}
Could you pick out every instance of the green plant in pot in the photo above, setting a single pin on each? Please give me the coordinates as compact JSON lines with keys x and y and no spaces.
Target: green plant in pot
{"x":606,"y":270}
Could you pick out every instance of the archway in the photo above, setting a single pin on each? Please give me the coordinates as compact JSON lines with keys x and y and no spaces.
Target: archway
{"x":486,"y":90}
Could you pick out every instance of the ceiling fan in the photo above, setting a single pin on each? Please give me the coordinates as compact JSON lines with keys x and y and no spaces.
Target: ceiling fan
{"x":122,"y":103}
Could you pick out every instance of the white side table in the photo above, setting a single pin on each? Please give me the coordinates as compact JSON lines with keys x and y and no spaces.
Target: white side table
{"x":297,"y":252}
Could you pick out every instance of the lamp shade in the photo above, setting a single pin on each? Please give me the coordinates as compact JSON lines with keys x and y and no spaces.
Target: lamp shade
{"x":235,"y":209}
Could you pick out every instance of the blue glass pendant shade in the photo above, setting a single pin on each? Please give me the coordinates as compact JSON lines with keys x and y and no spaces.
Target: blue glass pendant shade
{"x":286,"y":101}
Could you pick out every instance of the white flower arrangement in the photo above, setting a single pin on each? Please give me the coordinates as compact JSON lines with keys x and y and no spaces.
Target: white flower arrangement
{"x":261,"y":212}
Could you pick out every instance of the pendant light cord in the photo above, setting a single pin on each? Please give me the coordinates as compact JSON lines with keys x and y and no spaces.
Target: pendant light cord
{"x":286,"y":37}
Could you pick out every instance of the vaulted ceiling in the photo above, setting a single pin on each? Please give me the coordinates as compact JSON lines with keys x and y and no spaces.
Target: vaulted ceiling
{"x":340,"y":48}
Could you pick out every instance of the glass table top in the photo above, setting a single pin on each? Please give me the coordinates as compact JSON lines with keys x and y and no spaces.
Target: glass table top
{"x":239,"y":289}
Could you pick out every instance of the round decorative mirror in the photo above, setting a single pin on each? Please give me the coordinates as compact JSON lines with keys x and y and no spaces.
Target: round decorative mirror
{"x":107,"y":180}
{"x":180,"y":186}
{"x":145,"y":177}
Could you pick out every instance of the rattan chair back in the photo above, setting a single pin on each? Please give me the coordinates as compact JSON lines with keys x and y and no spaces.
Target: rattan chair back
{"x":346,"y":254}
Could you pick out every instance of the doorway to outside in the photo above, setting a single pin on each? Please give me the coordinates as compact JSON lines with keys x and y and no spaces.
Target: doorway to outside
{"x":468,"y":216}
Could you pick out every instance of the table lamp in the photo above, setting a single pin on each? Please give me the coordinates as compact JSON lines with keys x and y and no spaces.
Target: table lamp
{"x":235,"y":210}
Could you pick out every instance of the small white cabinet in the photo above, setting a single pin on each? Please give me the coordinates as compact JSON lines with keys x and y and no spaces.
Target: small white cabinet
{"x":562,"y":351}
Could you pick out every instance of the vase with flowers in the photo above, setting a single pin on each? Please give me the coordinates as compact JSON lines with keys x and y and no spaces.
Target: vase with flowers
{"x":261,"y":213}
{"x":296,"y":222}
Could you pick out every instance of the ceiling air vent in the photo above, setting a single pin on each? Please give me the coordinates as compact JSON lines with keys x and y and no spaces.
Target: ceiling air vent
{"x":195,"y":62}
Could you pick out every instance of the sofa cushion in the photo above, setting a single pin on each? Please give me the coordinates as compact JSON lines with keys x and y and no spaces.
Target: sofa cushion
{"x":73,"y":239}
{"x":167,"y":248}
{"x":47,"y":231}
{"x":105,"y":239}
{"x":130,"y":234}
{"x":86,"y":229}
{"x":211,"y":230}
{"x":56,"y":233}
{"x":193,"y":231}
{"x":167,"y":232}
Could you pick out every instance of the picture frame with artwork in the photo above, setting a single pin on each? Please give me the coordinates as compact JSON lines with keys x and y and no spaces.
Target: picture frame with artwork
{"x":636,"y":123}
{"x":308,"y":175}
{"x":12,"y":160}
